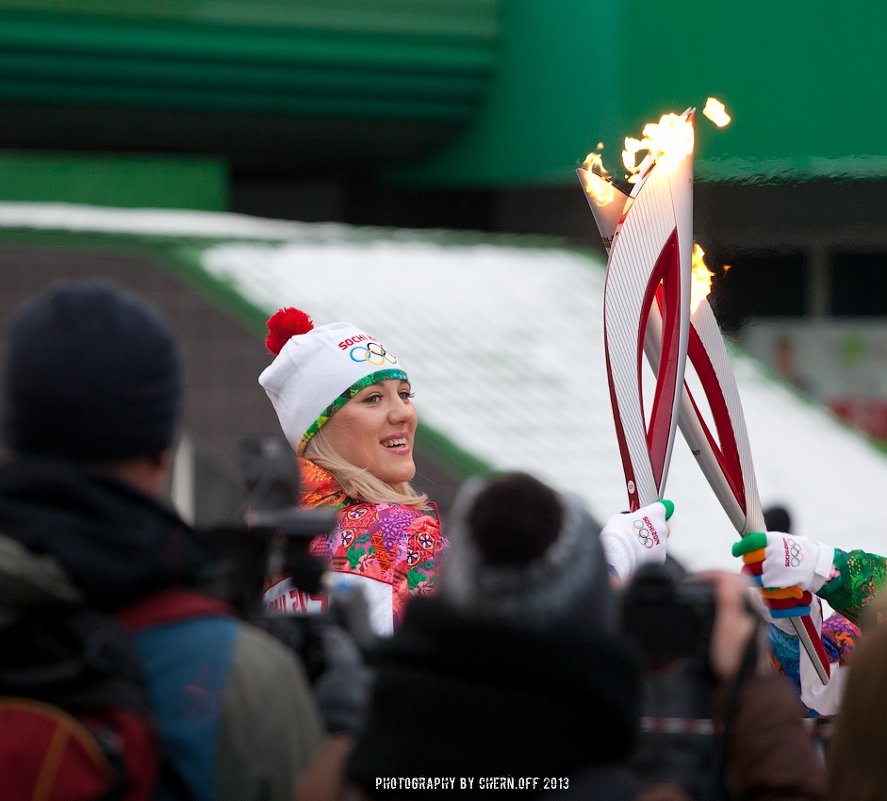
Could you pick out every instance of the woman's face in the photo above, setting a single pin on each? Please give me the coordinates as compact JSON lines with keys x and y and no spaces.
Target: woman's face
{"x":375,"y":430}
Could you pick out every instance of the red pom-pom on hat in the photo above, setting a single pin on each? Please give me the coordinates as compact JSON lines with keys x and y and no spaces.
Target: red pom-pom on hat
{"x":284,"y":324}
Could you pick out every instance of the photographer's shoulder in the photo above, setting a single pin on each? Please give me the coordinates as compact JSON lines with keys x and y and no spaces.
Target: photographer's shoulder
{"x":270,"y":720}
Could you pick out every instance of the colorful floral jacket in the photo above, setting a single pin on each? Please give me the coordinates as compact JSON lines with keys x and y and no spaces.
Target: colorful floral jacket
{"x":391,"y":550}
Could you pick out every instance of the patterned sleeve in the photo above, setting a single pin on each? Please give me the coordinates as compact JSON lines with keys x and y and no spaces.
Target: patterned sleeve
{"x":839,"y":638}
{"x":861,"y":576}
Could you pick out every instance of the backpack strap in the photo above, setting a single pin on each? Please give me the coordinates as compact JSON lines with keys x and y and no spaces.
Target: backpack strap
{"x":75,"y":658}
{"x":170,"y":606}
{"x":153,"y":612}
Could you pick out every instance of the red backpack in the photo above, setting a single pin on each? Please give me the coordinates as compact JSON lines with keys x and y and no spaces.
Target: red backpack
{"x":75,"y":714}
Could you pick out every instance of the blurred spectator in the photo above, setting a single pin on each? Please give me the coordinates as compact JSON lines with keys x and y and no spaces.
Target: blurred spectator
{"x":778,"y":518}
{"x":857,"y":770}
{"x":91,"y":402}
{"x":785,"y":363}
{"x":516,"y":675}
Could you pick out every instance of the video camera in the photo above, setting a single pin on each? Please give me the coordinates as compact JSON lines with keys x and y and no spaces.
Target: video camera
{"x":275,"y":541}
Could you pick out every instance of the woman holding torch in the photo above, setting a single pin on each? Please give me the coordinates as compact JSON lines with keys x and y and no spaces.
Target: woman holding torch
{"x":345,"y":405}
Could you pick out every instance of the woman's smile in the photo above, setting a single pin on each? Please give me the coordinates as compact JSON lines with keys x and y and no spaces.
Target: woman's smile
{"x":375,"y":430}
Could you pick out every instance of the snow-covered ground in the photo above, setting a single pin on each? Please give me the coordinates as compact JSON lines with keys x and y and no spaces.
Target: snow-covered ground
{"x":504,"y":347}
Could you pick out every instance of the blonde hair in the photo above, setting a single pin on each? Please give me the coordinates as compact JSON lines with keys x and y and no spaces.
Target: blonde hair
{"x":358,"y":482}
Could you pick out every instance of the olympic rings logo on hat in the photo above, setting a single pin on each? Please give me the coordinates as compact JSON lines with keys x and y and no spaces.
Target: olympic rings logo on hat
{"x":643,"y":534}
{"x":373,"y":353}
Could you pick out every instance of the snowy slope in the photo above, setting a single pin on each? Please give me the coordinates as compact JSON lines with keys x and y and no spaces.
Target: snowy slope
{"x":503,"y":344}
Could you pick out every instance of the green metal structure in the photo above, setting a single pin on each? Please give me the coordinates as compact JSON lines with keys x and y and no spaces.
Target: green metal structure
{"x":304,"y":83}
{"x":447,"y":93}
{"x":800,"y":78}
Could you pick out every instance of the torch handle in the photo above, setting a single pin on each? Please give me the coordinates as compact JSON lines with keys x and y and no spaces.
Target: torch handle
{"x":727,"y":463}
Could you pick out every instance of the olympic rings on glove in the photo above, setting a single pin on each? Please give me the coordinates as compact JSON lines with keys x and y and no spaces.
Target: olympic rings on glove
{"x":643,"y":534}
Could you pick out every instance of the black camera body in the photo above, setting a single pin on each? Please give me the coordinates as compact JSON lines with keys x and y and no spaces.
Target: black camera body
{"x":669,"y":620}
{"x":668,"y":617}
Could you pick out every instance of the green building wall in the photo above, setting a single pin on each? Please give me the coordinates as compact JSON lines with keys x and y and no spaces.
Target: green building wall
{"x":801,"y":79}
{"x":125,"y":181}
{"x":456,"y":93}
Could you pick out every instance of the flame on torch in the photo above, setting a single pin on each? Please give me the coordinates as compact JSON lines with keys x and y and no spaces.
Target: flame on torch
{"x":716,"y":112}
{"x":596,"y":179}
{"x":700,"y":280}
{"x":666,"y":143}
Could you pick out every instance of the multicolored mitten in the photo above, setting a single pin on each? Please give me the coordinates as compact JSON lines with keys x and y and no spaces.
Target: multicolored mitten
{"x":632,"y":539}
{"x":787,"y":607}
{"x":788,"y":567}
{"x":786,"y":560}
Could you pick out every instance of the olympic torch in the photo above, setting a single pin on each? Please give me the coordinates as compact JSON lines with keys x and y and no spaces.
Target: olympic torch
{"x":648,"y":306}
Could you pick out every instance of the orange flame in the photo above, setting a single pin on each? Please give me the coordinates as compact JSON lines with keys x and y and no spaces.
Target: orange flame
{"x":716,"y":112}
{"x":666,"y":142}
{"x":700,"y":281}
{"x":596,"y":179}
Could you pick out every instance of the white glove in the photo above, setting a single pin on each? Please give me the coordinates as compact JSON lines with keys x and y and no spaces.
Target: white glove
{"x":791,"y":560}
{"x":632,"y":539}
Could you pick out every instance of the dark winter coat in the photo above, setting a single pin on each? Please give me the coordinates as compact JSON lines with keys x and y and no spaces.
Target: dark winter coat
{"x":466,"y":699}
{"x":67,"y":536}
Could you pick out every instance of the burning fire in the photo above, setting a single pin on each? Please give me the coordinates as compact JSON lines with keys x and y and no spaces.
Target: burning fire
{"x":666,"y":143}
{"x":596,"y":179}
{"x":700,"y":280}
{"x":716,"y":112}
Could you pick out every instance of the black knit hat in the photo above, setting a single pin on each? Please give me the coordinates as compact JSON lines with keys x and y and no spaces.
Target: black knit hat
{"x":92,"y":373}
{"x":521,"y":552}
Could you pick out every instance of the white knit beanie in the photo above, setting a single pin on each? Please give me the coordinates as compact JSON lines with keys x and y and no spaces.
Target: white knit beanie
{"x":318,"y":370}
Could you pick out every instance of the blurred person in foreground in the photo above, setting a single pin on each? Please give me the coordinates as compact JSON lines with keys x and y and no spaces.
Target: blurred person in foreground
{"x":92,"y":393}
{"x":855,"y":762}
{"x":517,"y":670}
{"x":345,"y":404}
